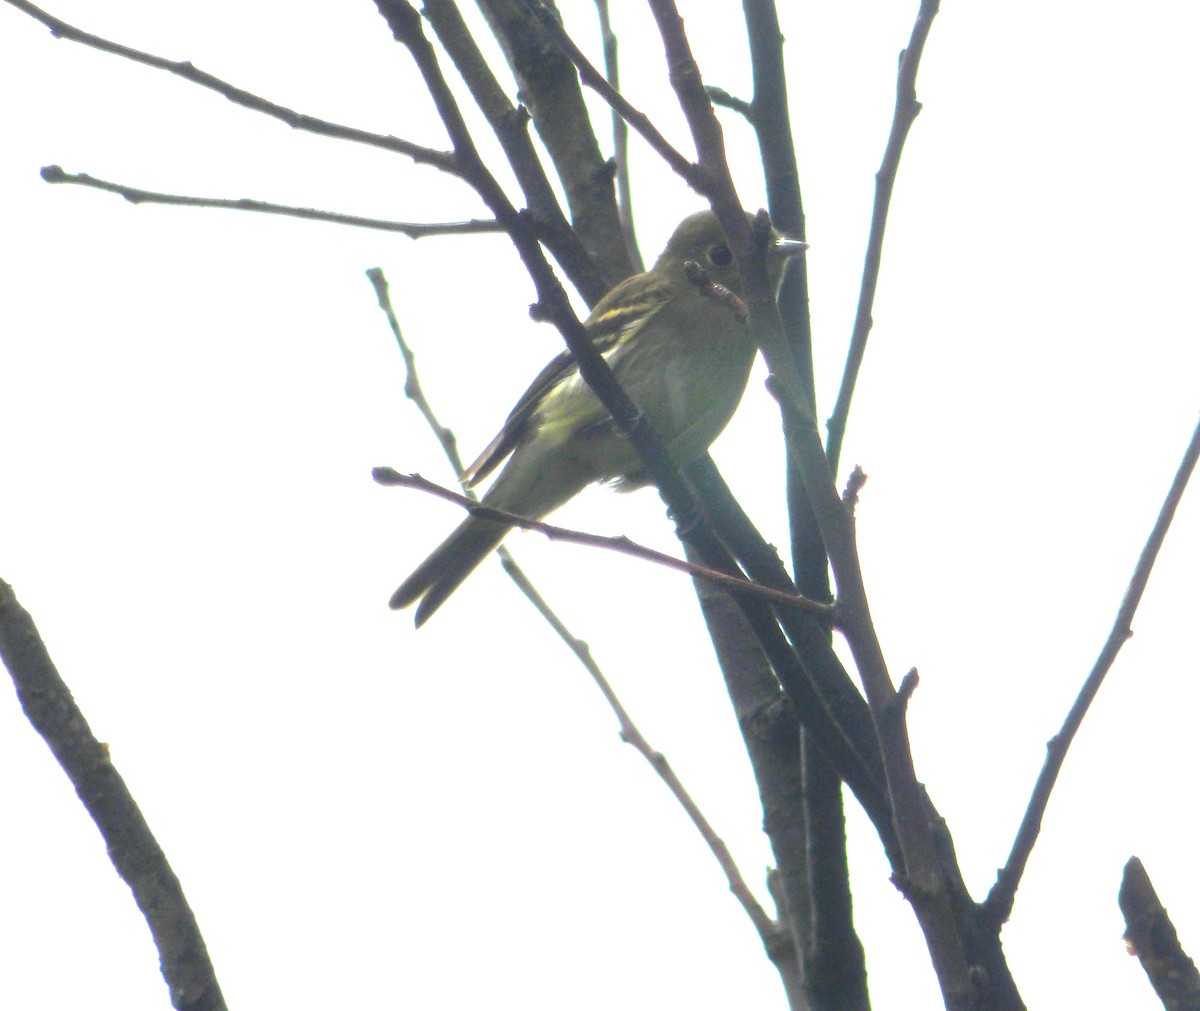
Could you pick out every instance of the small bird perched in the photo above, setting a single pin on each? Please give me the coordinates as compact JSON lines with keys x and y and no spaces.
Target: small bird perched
{"x":681,"y":353}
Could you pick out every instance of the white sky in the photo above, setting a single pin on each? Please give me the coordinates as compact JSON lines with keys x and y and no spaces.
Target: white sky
{"x":365,"y":816}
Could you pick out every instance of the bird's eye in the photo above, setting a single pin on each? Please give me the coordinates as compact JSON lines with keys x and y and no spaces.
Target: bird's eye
{"x":720,"y":256}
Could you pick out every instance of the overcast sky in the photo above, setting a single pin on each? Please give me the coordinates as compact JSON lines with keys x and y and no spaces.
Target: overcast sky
{"x":367,"y":816}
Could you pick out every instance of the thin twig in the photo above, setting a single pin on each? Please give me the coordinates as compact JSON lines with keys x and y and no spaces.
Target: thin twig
{"x":1000,"y":900}
{"x":412,"y":383}
{"x":767,"y":928}
{"x":621,"y":544}
{"x":907,"y":108}
{"x":413,"y":229}
{"x":135,"y":853}
{"x":620,"y":130}
{"x":443,"y":160}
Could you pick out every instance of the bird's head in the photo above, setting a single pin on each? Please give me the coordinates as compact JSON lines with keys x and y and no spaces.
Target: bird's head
{"x":699,"y":238}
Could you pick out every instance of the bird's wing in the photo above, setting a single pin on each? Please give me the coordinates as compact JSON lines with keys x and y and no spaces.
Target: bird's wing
{"x":616,"y":318}
{"x":562,"y":365}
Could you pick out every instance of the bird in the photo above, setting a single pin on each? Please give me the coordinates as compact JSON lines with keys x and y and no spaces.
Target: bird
{"x":682,"y":353}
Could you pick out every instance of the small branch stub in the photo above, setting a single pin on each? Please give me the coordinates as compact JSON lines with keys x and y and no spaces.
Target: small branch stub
{"x":897,"y":709}
{"x":854,"y":484}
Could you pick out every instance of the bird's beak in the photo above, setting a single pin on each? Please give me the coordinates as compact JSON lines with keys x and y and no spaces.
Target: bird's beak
{"x":783,"y":248}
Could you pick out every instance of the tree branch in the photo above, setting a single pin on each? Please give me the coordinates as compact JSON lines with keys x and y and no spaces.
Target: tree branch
{"x":770,"y":730}
{"x":907,"y":108}
{"x":825,"y":686}
{"x":923,"y":882}
{"x":297,"y":120}
{"x":550,"y":88}
{"x":999,"y":903}
{"x":835,"y":965}
{"x":620,"y":131}
{"x":413,"y":229}
{"x":511,"y":126}
{"x":620,"y":544}
{"x":775,"y":939}
{"x":135,"y":853}
{"x":591,"y":77}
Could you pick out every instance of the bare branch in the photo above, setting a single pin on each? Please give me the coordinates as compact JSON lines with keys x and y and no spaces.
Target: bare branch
{"x":139,"y":860}
{"x":834,"y":960}
{"x":772,"y":128}
{"x":770,"y":730}
{"x":595,"y":80}
{"x":511,"y":127}
{"x":412,"y":384}
{"x":549,"y":86}
{"x":923,"y":883}
{"x":999,"y":903}
{"x":767,"y":330}
{"x":769,"y":931}
{"x":907,"y":108}
{"x":829,"y":706}
{"x":620,"y":130}
{"x":711,"y":176}
{"x":621,"y":544}
{"x":413,"y":229}
{"x":299,"y":121}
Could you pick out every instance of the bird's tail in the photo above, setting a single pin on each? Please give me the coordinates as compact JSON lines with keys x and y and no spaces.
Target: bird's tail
{"x":444,"y":571}
{"x":537,"y":480}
